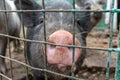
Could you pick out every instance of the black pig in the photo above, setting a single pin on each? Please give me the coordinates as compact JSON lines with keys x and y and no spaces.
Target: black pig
{"x":59,"y":29}
{"x":13,"y":29}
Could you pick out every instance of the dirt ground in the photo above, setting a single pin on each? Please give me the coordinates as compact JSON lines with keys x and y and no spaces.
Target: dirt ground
{"x":94,"y":67}
{"x":95,"y":64}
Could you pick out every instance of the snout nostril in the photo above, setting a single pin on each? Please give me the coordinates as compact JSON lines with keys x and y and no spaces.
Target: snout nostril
{"x":52,"y":46}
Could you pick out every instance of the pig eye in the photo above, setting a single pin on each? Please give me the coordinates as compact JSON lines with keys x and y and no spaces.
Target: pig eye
{"x":52,"y":46}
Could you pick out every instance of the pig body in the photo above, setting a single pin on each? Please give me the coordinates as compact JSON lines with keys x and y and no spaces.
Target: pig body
{"x":59,"y":29}
{"x":13,"y":29}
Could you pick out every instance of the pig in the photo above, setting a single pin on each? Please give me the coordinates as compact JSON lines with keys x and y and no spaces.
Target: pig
{"x":95,"y":17}
{"x":13,"y":29}
{"x":59,"y":30}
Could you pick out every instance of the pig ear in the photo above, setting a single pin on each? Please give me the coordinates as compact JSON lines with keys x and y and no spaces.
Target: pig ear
{"x":83,"y":22}
{"x":30,"y":19}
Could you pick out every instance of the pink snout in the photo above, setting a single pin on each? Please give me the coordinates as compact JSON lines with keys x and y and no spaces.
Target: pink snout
{"x":62,"y":55}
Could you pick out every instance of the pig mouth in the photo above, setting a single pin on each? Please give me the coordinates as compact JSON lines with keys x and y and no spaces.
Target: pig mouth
{"x":60,"y":55}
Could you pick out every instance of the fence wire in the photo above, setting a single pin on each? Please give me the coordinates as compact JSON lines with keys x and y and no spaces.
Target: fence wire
{"x":110,"y":49}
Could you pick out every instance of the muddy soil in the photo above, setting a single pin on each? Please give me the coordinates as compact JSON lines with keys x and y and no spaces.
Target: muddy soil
{"x":94,"y":67}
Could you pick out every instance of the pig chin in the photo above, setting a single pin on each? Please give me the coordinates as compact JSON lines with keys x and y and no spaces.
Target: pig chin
{"x":59,"y":55}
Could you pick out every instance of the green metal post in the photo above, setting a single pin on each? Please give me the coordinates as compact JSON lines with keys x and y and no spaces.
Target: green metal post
{"x":117,"y":73}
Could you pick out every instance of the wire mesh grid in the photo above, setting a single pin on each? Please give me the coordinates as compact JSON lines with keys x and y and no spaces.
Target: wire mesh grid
{"x":26,"y":65}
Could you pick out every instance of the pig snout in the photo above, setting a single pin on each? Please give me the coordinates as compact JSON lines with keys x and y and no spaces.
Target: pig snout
{"x":60,"y":55}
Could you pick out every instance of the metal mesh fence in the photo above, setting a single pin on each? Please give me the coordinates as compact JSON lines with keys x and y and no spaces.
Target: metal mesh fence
{"x":27,"y":67}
